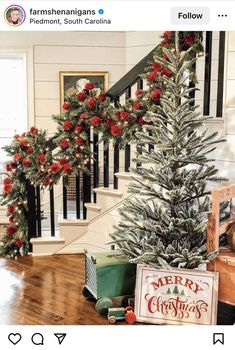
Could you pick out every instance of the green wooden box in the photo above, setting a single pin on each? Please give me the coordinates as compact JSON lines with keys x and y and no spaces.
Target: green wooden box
{"x":107,"y":274}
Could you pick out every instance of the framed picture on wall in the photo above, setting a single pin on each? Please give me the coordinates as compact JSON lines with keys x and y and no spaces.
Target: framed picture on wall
{"x":72,"y":81}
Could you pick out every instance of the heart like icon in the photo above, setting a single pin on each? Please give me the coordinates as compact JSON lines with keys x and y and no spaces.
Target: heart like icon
{"x":14,"y":338}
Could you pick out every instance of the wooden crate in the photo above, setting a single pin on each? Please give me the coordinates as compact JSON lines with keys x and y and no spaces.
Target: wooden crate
{"x":225,"y":262}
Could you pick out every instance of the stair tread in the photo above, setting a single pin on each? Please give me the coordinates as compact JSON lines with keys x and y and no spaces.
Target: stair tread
{"x":40,"y":240}
{"x":93,"y":206}
{"x":108,"y":191}
{"x":73,"y":222}
{"x":127,"y":175}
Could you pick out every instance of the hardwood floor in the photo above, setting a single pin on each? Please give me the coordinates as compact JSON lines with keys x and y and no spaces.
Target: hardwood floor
{"x":45,"y":291}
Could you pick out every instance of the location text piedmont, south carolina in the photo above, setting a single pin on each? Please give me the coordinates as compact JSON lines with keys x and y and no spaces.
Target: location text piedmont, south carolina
{"x":69,"y":21}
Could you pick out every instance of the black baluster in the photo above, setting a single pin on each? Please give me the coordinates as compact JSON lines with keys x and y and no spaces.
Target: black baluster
{"x":86,"y":191}
{"x":116,"y":166}
{"x":220,"y":88}
{"x":127,"y":158}
{"x":52,"y":212}
{"x":95,"y":164}
{"x":140,"y":84}
{"x":106,"y":164}
{"x":78,"y":215}
{"x":39,"y":217}
{"x":31,"y":212}
{"x":207,"y":77}
{"x":127,"y":147}
{"x":116,"y":154}
{"x":65,"y":208}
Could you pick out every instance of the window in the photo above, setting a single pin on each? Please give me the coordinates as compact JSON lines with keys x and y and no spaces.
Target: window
{"x":13,"y":99}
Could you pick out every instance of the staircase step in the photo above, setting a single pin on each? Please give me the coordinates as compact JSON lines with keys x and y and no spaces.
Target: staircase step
{"x":46,"y":246}
{"x":124,"y":180}
{"x":71,"y":222}
{"x":93,"y":206}
{"x":70,"y":229}
{"x":107,"y":197}
{"x":127,"y":176}
{"x":106,"y":191}
{"x":93,"y":210}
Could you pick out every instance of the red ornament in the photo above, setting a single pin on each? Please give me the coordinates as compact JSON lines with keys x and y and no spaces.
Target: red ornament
{"x":136,"y":105}
{"x":95,"y":121}
{"x":7,"y":181}
{"x":139,"y":92}
{"x":29,"y":151}
{"x":157,"y":67}
{"x":89,"y":86}
{"x":42,"y":158}
{"x":116,"y":130}
{"x":165,"y":43}
{"x":151,"y":76}
{"x":17,"y":156}
{"x":11,"y":230}
{"x":64,"y":144}
{"x":81,"y":96}
{"x":19,"y":243}
{"x":110,"y":122}
{"x":33,"y":130}
{"x":80,"y":141}
{"x":78,"y":129}
{"x":55,"y":167}
{"x":167,"y":33}
{"x":68,"y":125}
{"x":167,"y":73}
{"x":8,"y":167}
{"x":47,"y":181}
{"x":124,"y":115}
{"x":63,"y":161}
{"x":83,"y":116}
{"x":10,"y":209}
{"x":189,"y":40}
{"x":91,"y":102}
{"x":155,"y":95}
{"x":102,"y":97}
{"x":17,"y":137}
{"x":24,"y":143}
{"x":13,"y":165}
{"x":66,"y":106}
{"x":67,"y":168}
{"x":26,"y":163}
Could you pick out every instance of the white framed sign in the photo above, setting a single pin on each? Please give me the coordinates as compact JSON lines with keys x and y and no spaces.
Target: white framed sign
{"x":177,"y":296}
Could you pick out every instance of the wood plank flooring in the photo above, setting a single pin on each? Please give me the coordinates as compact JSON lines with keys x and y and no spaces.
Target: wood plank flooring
{"x":45,"y":291}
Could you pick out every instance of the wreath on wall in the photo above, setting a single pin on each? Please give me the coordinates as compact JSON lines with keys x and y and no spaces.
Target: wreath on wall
{"x":32,"y":159}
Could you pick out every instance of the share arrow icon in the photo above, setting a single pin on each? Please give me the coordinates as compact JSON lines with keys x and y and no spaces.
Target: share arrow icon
{"x":60,"y":337}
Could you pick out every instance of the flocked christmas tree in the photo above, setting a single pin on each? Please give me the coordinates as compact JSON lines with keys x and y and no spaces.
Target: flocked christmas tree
{"x":164,"y":222}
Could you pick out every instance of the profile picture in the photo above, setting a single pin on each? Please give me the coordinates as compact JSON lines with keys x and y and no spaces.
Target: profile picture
{"x":14,"y":15}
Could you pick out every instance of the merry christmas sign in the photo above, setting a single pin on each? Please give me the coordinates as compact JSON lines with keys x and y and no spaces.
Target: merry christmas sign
{"x":176,"y":296}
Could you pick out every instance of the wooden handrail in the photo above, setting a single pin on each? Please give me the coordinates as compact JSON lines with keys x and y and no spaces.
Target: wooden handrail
{"x":131,"y":77}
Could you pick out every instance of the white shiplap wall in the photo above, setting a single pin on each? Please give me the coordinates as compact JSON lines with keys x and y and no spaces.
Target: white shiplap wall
{"x":51,"y":52}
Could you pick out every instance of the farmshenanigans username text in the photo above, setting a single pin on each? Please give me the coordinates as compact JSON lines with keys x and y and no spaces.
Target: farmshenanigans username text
{"x":39,"y":16}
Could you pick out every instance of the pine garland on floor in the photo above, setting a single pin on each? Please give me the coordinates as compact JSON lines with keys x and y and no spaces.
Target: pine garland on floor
{"x":164,"y":223}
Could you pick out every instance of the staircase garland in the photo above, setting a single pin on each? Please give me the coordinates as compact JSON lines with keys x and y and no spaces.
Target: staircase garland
{"x":83,"y":110}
